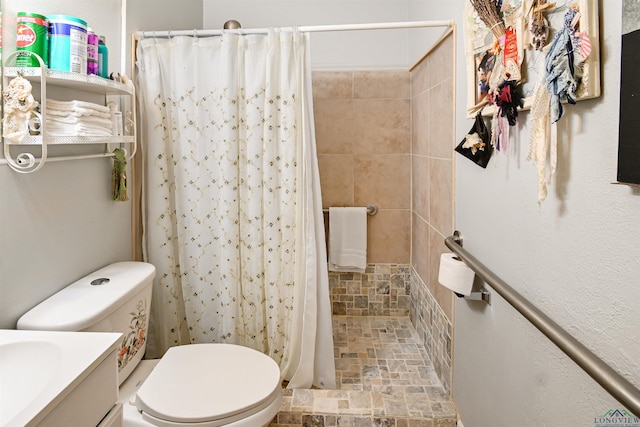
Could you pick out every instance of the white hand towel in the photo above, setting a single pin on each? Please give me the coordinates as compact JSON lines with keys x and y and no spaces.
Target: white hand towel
{"x":96,"y":121}
{"x":59,"y":129}
{"x":348,"y":239}
{"x":78,"y":113}
{"x":75,"y":105}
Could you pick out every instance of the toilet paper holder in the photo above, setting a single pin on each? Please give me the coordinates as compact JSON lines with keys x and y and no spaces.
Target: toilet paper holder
{"x":479,"y":295}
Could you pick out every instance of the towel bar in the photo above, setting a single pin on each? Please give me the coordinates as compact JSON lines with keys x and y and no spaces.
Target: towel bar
{"x":371,"y":210}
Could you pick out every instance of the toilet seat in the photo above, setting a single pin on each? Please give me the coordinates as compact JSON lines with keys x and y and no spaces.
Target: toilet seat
{"x":208,"y":385}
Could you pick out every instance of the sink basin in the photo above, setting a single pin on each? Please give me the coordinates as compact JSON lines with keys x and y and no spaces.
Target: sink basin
{"x":44,"y":375}
{"x":26,"y":367}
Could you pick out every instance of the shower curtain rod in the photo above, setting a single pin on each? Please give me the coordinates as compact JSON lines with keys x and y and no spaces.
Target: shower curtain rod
{"x":308,"y":29}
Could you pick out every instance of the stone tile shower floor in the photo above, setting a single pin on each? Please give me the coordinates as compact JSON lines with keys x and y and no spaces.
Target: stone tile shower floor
{"x":384,"y":378}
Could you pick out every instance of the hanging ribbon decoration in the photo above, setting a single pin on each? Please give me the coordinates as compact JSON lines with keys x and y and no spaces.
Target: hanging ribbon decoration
{"x":507,"y":98}
{"x":564,"y":63}
{"x":504,"y":91}
{"x":563,"y":70}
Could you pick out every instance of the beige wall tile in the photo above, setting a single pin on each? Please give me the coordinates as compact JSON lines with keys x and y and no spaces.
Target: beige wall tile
{"x":334,"y":125}
{"x":420,"y":186}
{"x":441,"y":195}
{"x":420,"y":124}
{"x":336,"y":179}
{"x":440,"y":63}
{"x":443,"y":296}
{"x":389,"y":236}
{"x":382,"y":179}
{"x":420,"y":247}
{"x":332,"y":84}
{"x":419,"y":78}
{"x":391,"y":84}
{"x":382,"y":126}
{"x":440,"y":120}
{"x":432,"y":166}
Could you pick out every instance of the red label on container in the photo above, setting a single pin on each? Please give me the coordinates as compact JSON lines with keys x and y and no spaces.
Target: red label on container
{"x":25,"y":36}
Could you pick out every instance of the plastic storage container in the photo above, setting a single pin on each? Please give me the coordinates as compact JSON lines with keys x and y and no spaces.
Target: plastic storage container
{"x":67,"y":43}
{"x":103,"y":58}
{"x":32,"y":31}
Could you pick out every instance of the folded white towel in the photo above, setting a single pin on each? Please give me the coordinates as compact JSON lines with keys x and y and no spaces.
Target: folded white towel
{"x":75,"y":105}
{"x":57,"y":129}
{"x":79,"y":112}
{"x":348,"y":239}
{"x":95,"y":121}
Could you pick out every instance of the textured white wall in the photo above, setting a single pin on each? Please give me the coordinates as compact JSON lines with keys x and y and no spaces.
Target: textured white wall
{"x":576,"y":257}
{"x":161,"y":15}
{"x":59,"y":223}
{"x":336,"y":50}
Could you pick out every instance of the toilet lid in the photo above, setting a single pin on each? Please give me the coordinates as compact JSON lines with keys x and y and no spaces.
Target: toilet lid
{"x":206,"y":382}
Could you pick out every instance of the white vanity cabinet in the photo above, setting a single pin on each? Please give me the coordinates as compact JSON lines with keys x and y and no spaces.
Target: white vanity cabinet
{"x":59,"y":379}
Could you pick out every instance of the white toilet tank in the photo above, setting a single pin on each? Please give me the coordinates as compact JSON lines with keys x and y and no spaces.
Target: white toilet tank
{"x":116,"y":298}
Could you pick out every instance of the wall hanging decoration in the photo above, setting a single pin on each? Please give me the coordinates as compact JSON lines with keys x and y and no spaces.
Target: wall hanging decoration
{"x":538,"y":24}
{"x":564,"y":69}
{"x":519,"y":53}
{"x":476,"y":144}
{"x":20,"y":115}
{"x":548,"y":58}
{"x":508,"y":99}
{"x":494,"y":40}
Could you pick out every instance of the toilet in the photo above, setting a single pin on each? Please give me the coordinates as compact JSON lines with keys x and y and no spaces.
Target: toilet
{"x":203,"y":385}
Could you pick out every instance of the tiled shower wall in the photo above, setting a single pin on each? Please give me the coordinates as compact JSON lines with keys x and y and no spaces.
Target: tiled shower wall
{"x":382,"y":290}
{"x":397,"y":290}
{"x":363,"y":133}
{"x":385,"y":137}
{"x":432,"y":95}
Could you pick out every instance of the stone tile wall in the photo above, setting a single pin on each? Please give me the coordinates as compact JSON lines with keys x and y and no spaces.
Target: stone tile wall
{"x":382,"y":290}
{"x":434,"y":329}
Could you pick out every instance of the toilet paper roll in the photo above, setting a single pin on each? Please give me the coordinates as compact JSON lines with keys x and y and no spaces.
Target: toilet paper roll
{"x":454,"y":274}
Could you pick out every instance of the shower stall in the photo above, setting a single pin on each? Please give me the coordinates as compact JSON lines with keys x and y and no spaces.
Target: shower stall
{"x":374,"y":142}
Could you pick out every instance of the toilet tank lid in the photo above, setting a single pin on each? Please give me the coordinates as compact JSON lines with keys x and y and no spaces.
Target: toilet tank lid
{"x":83,"y":304}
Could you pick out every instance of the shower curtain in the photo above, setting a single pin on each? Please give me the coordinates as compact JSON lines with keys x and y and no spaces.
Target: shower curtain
{"x":232,"y":212}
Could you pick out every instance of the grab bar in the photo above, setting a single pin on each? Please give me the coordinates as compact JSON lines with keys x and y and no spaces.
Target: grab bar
{"x":371,"y":210}
{"x":618,"y":386}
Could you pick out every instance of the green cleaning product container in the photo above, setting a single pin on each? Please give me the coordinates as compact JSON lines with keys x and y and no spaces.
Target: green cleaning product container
{"x":32,"y":30}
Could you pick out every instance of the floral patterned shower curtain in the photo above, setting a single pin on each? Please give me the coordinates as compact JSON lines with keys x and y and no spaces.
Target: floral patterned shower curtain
{"x":232,"y":210}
